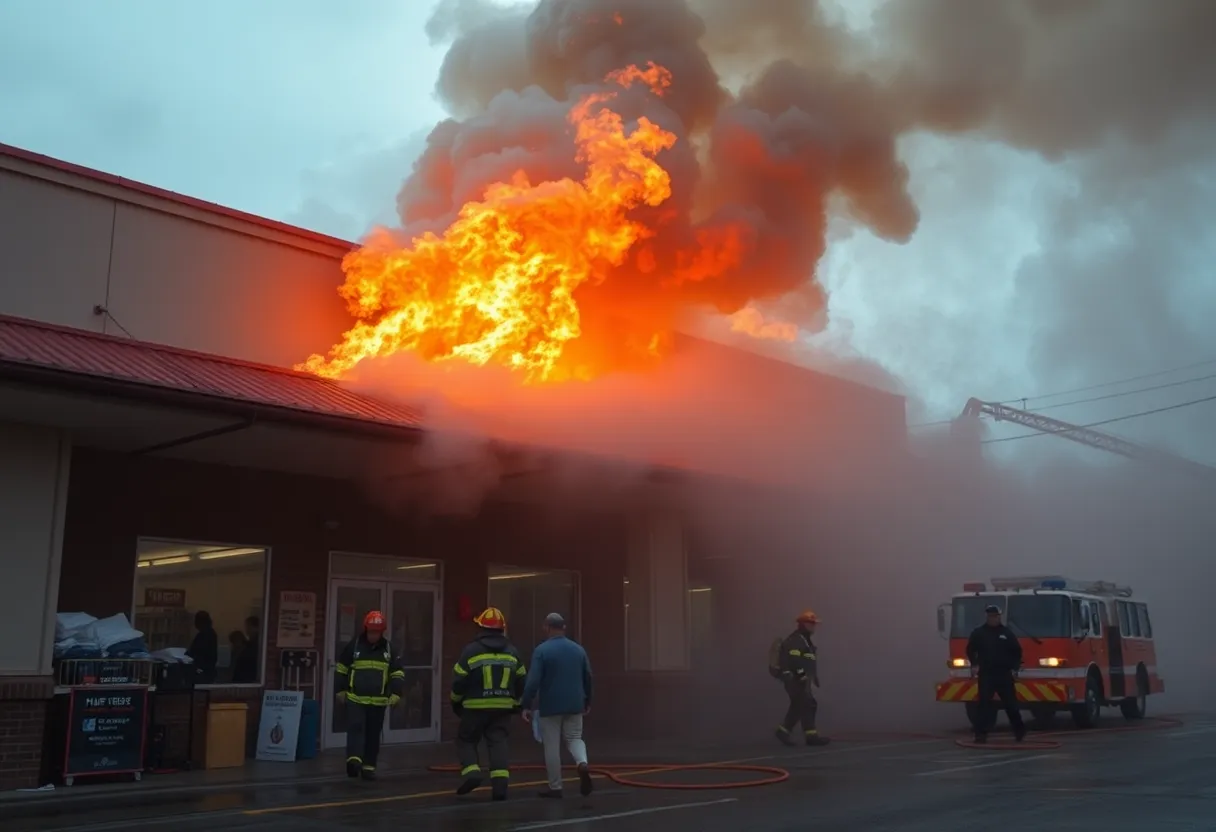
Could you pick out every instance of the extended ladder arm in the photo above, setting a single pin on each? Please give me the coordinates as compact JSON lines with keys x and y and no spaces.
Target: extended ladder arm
{"x":1085,"y":436}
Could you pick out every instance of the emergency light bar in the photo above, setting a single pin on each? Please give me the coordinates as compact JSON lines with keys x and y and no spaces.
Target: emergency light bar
{"x":977,"y":586}
{"x":1059,"y":584}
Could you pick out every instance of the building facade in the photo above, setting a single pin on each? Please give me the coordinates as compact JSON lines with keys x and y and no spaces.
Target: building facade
{"x":159,"y":460}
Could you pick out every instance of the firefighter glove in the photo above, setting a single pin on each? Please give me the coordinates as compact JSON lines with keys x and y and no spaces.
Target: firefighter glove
{"x":393,"y":700}
{"x":341,"y":696}
{"x":457,"y":708}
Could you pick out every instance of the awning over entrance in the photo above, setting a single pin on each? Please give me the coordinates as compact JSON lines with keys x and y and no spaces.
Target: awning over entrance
{"x":52,"y":355}
{"x":141,"y":398}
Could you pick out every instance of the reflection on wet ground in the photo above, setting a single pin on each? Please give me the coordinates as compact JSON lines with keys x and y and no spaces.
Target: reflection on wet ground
{"x":1156,"y":779}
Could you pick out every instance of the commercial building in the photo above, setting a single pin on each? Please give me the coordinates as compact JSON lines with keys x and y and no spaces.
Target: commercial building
{"x":158,"y":459}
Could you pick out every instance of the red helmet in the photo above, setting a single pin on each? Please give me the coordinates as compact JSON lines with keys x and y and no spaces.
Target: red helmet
{"x":373,"y":622}
{"x":807,"y":617}
{"x":491,"y":618}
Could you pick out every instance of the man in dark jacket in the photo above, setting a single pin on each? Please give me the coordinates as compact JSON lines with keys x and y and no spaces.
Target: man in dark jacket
{"x":487,"y":685}
{"x":369,"y":679}
{"x":995,"y":655}
{"x":799,"y":670}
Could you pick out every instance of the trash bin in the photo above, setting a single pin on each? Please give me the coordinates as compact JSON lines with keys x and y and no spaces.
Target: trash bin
{"x":225,"y":746}
{"x":310,"y":723}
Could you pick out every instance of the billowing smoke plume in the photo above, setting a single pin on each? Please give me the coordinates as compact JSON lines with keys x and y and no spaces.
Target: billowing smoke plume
{"x":785,"y":115}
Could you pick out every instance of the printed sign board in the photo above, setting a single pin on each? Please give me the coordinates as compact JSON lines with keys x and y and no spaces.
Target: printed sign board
{"x":297,"y":620}
{"x":106,"y":731}
{"x":279,"y":727}
{"x":154,"y":597}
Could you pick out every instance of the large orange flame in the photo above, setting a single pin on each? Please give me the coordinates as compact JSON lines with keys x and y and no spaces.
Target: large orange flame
{"x":498,"y":287}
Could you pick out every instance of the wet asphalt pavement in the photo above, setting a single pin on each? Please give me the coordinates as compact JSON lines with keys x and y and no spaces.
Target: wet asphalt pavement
{"x":1159,"y":778}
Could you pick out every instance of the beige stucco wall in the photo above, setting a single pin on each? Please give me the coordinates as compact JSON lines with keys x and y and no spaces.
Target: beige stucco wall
{"x":168,"y":273}
{"x":34,"y":466}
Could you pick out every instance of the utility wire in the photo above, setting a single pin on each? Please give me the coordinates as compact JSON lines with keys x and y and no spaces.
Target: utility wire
{"x":1111,"y":421}
{"x":1104,"y":397}
{"x":1114,"y":383}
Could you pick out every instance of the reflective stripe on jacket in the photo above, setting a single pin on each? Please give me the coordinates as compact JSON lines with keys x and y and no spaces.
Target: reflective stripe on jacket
{"x":489,"y":675}
{"x":369,"y":673}
{"x":798,"y":657}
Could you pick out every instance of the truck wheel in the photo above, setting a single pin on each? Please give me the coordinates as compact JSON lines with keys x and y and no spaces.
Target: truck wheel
{"x":1135,"y":707}
{"x":1087,"y":713}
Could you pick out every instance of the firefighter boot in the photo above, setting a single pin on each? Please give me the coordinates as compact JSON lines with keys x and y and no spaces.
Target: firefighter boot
{"x":353,"y":765}
{"x":783,"y":736}
{"x":813,"y":738}
{"x":472,"y":779}
{"x":498,"y":788}
{"x":368,"y":773}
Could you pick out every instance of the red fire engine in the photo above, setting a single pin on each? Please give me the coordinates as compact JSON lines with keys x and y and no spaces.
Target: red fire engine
{"x":1085,"y":646}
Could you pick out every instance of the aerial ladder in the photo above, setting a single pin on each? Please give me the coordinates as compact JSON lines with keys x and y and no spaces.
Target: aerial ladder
{"x":1082,"y":435}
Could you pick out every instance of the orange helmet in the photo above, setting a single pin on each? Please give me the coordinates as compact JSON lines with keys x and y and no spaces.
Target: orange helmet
{"x":373,"y":622}
{"x":491,"y":618}
{"x":807,"y":617}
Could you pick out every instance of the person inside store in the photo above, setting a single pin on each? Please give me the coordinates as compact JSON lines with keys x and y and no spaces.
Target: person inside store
{"x":204,"y":650}
{"x":244,"y":658}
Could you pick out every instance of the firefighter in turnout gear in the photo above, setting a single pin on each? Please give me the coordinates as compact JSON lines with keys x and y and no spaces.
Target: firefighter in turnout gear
{"x":368,"y":679}
{"x":798,"y":673}
{"x":487,"y":684}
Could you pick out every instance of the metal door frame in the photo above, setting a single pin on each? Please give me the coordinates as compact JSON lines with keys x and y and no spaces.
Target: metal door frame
{"x":386,"y":588}
{"x":421,"y":734}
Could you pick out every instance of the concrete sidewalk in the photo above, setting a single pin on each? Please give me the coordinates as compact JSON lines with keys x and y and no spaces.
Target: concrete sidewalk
{"x":396,"y":763}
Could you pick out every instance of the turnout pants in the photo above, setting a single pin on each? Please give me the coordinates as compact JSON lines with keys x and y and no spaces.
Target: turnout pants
{"x":363,"y":726}
{"x":493,"y":727}
{"x":558,"y":729}
{"x":1000,"y":684}
{"x":803,"y":708}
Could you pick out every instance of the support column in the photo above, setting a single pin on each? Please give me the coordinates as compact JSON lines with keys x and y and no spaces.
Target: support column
{"x":34,"y":470}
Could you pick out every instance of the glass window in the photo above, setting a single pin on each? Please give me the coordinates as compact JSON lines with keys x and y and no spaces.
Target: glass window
{"x":1097,"y":612}
{"x":1039,"y":616}
{"x":345,"y":564}
{"x":1125,"y":628}
{"x":1133,"y":618}
{"x":1078,"y":618}
{"x":968,"y":613}
{"x":1146,"y":626}
{"x":526,"y":596}
{"x":205,"y":601}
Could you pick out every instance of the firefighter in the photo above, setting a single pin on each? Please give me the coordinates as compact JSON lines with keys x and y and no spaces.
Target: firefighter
{"x":487,"y":686}
{"x":799,"y":672}
{"x":995,"y":655}
{"x":368,"y":679}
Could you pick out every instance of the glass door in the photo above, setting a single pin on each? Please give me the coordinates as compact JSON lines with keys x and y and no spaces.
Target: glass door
{"x":413,"y":618}
{"x":349,"y":602}
{"x":412,"y":613}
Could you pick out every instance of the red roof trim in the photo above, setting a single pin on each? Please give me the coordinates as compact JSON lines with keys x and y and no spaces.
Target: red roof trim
{"x":34,"y":344}
{"x":169,"y":196}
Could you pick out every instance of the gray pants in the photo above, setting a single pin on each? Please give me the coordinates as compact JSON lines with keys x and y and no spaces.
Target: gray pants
{"x":554,"y":730}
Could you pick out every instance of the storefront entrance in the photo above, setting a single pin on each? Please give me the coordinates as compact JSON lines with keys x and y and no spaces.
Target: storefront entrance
{"x":412,"y":610}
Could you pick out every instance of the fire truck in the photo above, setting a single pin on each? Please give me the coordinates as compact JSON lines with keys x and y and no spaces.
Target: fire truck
{"x":1086,"y":645}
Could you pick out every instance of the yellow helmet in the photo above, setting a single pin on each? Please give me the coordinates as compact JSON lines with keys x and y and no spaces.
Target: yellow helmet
{"x":491,"y":618}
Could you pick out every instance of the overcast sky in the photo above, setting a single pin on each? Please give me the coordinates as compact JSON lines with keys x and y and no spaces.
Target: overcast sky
{"x":1025,"y":276}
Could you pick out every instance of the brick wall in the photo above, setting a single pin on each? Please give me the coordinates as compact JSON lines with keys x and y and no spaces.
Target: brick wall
{"x":21,"y":734}
{"x":113,"y":500}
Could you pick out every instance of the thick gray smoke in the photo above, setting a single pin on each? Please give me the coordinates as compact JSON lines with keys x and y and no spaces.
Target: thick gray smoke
{"x":1116,"y":92}
{"x":786,"y":117}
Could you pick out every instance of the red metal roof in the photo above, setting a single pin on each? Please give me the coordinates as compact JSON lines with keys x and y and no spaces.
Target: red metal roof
{"x":171,"y":196}
{"x":44,"y":346}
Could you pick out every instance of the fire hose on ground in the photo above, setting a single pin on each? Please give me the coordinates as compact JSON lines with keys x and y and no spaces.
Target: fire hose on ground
{"x":631,"y":774}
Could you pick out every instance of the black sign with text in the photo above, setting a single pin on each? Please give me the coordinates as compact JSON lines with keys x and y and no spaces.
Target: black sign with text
{"x":106,"y":731}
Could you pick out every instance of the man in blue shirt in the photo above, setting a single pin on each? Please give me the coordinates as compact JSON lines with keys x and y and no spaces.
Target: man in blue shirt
{"x":560,"y":678}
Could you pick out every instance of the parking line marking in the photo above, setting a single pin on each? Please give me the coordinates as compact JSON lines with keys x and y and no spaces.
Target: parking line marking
{"x":551,"y":824}
{"x":983,"y":765}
